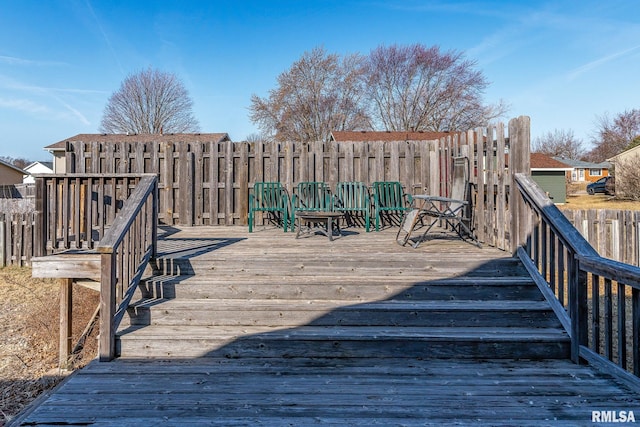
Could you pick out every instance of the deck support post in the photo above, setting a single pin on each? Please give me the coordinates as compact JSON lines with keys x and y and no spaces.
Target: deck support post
{"x":66,"y":322}
{"x":107,"y":346}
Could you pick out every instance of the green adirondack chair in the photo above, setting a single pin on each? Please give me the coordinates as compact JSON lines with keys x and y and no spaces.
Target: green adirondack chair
{"x":353,"y":198}
{"x":273,"y":199}
{"x":389,"y":198}
{"x":311,"y":197}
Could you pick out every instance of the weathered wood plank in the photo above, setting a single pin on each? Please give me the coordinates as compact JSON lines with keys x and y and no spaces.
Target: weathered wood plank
{"x":67,"y":265}
{"x":347,"y":392}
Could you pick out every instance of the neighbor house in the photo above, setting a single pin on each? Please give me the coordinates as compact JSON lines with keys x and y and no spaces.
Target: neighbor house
{"x":550,"y":174}
{"x":10,"y":174}
{"x":627,"y":159}
{"x":36,"y":168}
{"x":585,"y":171}
{"x":365,"y":135}
{"x":59,"y":148}
{"x":626,"y":156}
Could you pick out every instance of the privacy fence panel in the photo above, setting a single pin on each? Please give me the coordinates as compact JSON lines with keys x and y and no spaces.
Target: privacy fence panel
{"x":17,"y":238}
{"x":209,"y":183}
{"x":614,"y":234}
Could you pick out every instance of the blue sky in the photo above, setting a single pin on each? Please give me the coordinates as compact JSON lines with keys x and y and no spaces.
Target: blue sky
{"x":563,"y":63}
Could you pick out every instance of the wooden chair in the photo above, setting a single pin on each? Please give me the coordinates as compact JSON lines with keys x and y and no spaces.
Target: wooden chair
{"x":272,"y":198}
{"x":353,"y":198}
{"x":389,"y":198}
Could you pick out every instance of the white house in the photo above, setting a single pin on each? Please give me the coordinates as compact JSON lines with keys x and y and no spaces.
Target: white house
{"x":35,"y":168}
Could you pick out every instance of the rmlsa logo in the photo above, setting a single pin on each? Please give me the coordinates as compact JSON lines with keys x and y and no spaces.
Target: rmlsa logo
{"x":613,"y":417}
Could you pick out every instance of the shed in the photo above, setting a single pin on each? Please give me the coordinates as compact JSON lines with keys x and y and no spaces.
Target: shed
{"x":550,"y":175}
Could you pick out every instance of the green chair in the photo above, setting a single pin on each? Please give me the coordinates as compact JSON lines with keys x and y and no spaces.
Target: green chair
{"x":353,"y":197}
{"x":272,"y":198}
{"x":389,"y":199}
{"x":311,"y":197}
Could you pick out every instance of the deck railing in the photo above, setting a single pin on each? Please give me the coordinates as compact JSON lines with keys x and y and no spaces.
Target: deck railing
{"x":598,"y":299}
{"x":125,"y":251}
{"x":102,"y":228}
{"x":76,"y":209}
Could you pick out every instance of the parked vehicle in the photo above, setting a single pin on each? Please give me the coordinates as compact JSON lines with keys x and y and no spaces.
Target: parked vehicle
{"x":604,"y":185}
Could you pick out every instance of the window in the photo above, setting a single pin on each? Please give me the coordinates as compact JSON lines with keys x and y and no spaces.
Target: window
{"x":595,"y":172}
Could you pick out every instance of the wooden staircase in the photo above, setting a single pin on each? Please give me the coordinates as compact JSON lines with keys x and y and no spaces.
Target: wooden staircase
{"x":319,"y":299}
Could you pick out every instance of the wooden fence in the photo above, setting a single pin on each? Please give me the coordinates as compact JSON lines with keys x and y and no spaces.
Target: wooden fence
{"x":613,"y":233}
{"x":17,"y":238}
{"x":209,"y":183}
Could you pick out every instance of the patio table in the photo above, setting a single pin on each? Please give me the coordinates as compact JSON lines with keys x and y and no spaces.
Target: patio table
{"x":310,"y":222}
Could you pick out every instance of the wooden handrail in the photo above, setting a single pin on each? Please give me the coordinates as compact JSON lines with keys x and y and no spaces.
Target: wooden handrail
{"x":75,"y":210}
{"x":583,"y":281}
{"x":563,"y":228}
{"x":125,"y":251}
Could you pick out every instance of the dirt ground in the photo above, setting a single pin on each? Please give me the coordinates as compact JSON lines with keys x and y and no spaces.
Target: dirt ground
{"x":29,"y":325}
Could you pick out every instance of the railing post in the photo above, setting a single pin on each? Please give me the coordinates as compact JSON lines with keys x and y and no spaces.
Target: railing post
{"x":108,"y":279}
{"x":578,"y":309}
{"x":66,"y":321}
{"x":41,"y":222}
{"x":155,"y":206}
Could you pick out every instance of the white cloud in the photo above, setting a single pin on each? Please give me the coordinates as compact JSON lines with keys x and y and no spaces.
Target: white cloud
{"x":599,"y":62}
{"x":44,"y":111}
{"x":24,"y":105}
{"x":12,"y":60}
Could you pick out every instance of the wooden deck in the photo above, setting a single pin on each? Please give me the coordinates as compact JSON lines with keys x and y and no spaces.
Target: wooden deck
{"x":265,"y":329}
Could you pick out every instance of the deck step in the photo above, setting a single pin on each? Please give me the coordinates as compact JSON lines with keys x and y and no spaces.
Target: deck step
{"x":393,"y":266}
{"x":238,"y":312}
{"x":335,"y":288}
{"x":343,"y":342}
{"x":317,"y":299}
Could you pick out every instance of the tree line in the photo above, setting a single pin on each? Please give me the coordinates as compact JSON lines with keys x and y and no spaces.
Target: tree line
{"x":613,"y":135}
{"x":393,"y":88}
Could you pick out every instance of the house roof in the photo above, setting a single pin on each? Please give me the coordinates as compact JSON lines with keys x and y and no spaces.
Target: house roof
{"x":632,"y":151}
{"x":149,"y":137}
{"x":9,"y":165}
{"x":582,"y":164}
{"x":386,"y":136}
{"x":46,"y":164}
{"x":542,"y":162}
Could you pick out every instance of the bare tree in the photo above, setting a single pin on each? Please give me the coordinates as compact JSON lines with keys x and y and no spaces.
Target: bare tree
{"x":419,"y":88}
{"x":19,"y":162}
{"x":318,"y":94}
{"x":559,"y":143}
{"x":613,"y":135}
{"x":150,"y":101}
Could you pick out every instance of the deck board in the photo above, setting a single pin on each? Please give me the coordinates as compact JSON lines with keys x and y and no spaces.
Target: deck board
{"x":218,"y":262}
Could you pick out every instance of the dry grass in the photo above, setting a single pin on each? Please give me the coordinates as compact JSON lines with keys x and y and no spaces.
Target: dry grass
{"x":598,"y":201}
{"x":29,"y":313}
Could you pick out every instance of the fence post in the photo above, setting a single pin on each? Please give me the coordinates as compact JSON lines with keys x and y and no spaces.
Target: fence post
{"x":3,"y":248}
{"x":519,"y":161}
